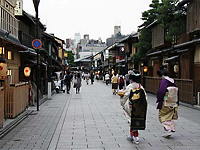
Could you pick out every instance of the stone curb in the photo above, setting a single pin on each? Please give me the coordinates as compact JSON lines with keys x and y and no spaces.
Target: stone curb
{"x":14,"y":122}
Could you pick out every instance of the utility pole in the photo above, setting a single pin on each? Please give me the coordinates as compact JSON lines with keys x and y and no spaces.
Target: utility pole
{"x":36,"y":4}
{"x":49,"y":70}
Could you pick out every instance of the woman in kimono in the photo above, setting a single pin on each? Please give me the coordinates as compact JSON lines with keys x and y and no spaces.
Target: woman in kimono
{"x":137,"y":105}
{"x":167,"y":114}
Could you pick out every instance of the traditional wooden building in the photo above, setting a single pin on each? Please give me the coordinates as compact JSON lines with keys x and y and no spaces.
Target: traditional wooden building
{"x":13,"y":99}
{"x":182,"y":57}
{"x":16,"y":35}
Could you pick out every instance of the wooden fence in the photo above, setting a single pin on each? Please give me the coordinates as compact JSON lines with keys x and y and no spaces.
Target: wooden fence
{"x":187,"y":88}
{"x":16,"y":99}
{"x":1,"y":106}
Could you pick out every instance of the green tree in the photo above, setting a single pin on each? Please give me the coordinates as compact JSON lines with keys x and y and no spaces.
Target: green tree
{"x":150,"y":15}
{"x":144,"y":43}
{"x":70,"y":58}
{"x":172,"y":19}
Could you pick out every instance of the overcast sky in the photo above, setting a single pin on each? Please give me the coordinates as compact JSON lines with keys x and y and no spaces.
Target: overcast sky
{"x":97,"y":18}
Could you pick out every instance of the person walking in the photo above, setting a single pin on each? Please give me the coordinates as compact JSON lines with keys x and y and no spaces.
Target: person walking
{"x":68,"y":79}
{"x":87,"y":76}
{"x":167,"y":110}
{"x":107,"y":78}
{"x":127,"y":79}
{"x":78,"y":85}
{"x":92,"y":77}
{"x":114,"y":83}
{"x":121,"y":82}
{"x":136,"y":99}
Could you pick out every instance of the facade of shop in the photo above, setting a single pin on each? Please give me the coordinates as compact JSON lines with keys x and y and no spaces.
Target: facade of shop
{"x":17,"y":32}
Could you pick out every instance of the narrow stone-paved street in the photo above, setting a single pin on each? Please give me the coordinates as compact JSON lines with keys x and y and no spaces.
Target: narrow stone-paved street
{"x":94,"y":119}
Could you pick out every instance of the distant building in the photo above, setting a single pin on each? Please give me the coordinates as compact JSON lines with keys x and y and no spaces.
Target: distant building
{"x":88,"y":47}
{"x":70,"y":46}
{"x":77,"y":38}
{"x":116,"y":37}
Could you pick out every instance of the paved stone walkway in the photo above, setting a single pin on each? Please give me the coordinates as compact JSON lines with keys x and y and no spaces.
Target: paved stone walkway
{"x":94,"y":120}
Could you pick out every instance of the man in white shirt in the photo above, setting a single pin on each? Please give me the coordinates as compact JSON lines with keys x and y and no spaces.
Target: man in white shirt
{"x":107,"y":78}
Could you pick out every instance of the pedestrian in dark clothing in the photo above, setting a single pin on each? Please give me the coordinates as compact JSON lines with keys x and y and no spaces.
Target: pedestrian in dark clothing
{"x":68,"y":79}
{"x":121,"y":82}
{"x":92,"y":77}
{"x":78,"y":81}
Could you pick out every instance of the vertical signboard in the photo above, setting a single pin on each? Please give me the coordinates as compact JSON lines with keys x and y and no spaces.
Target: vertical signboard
{"x":19,"y":7}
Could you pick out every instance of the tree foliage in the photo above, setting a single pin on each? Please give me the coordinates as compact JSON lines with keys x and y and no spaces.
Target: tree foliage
{"x":70,"y":58}
{"x":169,"y":16}
{"x":172,"y":19}
{"x":145,"y":38}
{"x":143,"y":45}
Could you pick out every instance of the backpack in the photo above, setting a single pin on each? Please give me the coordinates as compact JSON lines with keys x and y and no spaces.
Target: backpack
{"x":121,"y":80}
{"x":171,"y":96}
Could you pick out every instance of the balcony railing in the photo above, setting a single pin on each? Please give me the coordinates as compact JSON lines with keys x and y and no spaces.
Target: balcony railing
{"x":8,"y":22}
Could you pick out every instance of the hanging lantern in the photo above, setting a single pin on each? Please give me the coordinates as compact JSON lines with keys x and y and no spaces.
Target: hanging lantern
{"x":27,"y":71}
{"x":176,"y":68}
{"x":145,"y":68}
{"x":3,"y":70}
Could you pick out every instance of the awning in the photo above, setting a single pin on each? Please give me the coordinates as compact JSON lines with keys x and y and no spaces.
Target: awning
{"x":9,"y":38}
{"x":159,"y":52}
{"x":83,"y":60}
{"x":171,"y":58}
{"x":43,"y":63}
{"x":154,"y":53}
{"x":29,"y":51}
{"x":153,"y":58}
{"x":182,"y":50}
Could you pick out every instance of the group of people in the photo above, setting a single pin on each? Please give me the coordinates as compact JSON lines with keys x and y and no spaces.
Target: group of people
{"x":76,"y":81}
{"x":134,"y":100}
{"x":116,"y":81}
{"x":88,"y":76}
{"x":134,"y":103}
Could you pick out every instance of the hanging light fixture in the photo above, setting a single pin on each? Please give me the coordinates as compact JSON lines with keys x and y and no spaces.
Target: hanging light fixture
{"x":145,"y":68}
{"x":2,"y":50}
